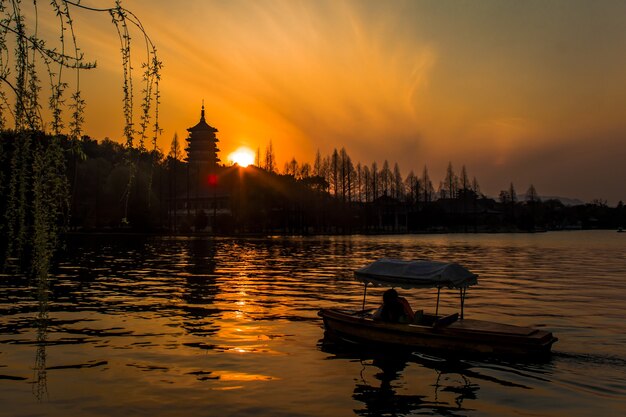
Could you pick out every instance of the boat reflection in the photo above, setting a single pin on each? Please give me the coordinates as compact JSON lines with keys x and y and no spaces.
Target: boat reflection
{"x":439,"y":386}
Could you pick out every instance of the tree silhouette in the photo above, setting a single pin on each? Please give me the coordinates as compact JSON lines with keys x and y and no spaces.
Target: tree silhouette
{"x":305,"y":171}
{"x":37,"y":197}
{"x":412,"y":187}
{"x":531,"y":194}
{"x":475,"y":186}
{"x":257,"y":157}
{"x":173,"y":161}
{"x":270,"y":158}
{"x":374,"y":180}
{"x":385,"y":178}
{"x":291,"y":167}
{"x":398,"y":184}
{"x":464,"y":181}
{"x":317,"y":165}
{"x":450,"y":183}
{"x":427,"y":186}
{"x":367,"y":184}
{"x":512,"y":194}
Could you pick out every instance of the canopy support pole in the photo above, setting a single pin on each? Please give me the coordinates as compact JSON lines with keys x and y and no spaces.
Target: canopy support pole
{"x":364,"y":293}
{"x":437,"y":308}
{"x":462,"y":293}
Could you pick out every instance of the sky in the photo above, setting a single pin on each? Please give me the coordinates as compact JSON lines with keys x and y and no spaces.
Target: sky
{"x":529,"y":92}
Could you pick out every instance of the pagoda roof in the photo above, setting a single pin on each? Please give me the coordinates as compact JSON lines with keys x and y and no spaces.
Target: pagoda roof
{"x":202,"y":124}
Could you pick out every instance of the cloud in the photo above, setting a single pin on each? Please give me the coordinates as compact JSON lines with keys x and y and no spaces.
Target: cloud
{"x":504,"y":138}
{"x":307,"y":75}
{"x":504,"y":88}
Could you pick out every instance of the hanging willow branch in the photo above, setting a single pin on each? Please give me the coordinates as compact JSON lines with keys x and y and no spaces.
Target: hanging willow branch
{"x":36,"y":193}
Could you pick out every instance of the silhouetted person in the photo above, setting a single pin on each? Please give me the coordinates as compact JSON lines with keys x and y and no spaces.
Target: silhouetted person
{"x":395,"y":309}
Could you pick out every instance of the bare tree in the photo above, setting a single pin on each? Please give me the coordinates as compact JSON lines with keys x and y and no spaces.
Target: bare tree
{"x":317,"y":165}
{"x":398,"y":184}
{"x":464,"y":181}
{"x":359,"y":182}
{"x":291,"y":167}
{"x":411,"y":187}
{"x":175,"y":152}
{"x":428,"y":186}
{"x":475,"y":187}
{"x":367,"y":183}
{"x":325,"y":170}
{"x":270,"y":158}
{"x":374,"y":180}
{"x":450,"y":185}
{"x":344,"y":172}
{"x":257,"y":157}
{"x":350,"y":176}
{"x":385,"y":178}
{"x":305,"y":171}
{"x":334,"y":172}
{"x":174,"y":157}
{"x":531,"y":195}
{"x":512,"y":194}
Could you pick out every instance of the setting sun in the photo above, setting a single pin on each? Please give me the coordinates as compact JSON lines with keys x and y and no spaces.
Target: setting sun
{"x":242,"y":157}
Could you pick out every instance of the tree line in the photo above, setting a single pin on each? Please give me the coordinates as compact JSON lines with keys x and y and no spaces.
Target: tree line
{"x":455,"y":204}
{"x":54,"y":179}
{"x":333,"y":195}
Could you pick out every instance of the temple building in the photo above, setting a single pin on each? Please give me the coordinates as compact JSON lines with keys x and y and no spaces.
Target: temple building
{"x":204,"y":200}
{"x":202,"y":147}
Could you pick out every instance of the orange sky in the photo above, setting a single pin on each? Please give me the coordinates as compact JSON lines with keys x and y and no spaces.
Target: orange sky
{"x":528,"y":92}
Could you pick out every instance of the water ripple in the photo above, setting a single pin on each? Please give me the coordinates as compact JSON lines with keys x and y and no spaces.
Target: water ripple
{"x":219,"y":315}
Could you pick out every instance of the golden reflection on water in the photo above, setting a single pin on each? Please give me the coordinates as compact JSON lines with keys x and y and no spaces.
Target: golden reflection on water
{"x":231,"y":388}
{"x":187,"y":325}
{"x":240,"y":376}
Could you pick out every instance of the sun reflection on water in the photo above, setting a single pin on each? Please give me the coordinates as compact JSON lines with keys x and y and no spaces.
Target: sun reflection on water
{"x":191,"y":323}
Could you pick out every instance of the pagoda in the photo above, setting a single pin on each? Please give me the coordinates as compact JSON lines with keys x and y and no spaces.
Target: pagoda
{"x":202,"y":146}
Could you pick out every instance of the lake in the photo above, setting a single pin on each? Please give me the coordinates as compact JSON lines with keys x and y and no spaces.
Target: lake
{"x":178,"y":326}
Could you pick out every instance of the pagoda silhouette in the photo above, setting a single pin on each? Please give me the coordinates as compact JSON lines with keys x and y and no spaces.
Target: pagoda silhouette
{"x":202,"y":148}
{"x":204,"y":199}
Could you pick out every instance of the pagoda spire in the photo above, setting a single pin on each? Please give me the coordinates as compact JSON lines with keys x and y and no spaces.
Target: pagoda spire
{"x":202,"y":144}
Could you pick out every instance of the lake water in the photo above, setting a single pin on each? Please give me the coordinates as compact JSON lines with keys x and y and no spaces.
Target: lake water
{"x":162,"y":326}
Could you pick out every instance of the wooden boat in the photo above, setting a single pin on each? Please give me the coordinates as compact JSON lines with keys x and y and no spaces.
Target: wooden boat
{"x":450,"y":334}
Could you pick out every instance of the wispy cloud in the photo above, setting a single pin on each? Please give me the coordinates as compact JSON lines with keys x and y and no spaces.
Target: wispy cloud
{"x":484,"y":83}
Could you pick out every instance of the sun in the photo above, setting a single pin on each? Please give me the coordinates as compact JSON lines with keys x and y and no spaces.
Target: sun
{"x":242,"y":156}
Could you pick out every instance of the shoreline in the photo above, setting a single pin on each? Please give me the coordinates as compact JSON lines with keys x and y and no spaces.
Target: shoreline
{"x":280,"y":234}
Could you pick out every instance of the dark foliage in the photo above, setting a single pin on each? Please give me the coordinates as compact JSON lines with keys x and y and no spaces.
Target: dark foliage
{"x":262,"y":202}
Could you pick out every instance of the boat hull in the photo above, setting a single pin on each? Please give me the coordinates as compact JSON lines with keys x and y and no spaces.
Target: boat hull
{"x":459,"y":338}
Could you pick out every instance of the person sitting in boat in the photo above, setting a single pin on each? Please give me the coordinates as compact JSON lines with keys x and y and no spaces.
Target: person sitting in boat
{"x":395,"y":309}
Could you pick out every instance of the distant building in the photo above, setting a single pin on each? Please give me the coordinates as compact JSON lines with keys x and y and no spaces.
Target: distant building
{"x":202,"y":147}
{"x":204,"y":199}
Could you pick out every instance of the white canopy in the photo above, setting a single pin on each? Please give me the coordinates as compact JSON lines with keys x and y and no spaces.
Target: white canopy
{"x":416,"y":274}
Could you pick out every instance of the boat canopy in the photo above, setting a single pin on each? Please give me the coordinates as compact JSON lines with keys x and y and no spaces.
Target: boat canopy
{"x":416,"y":274}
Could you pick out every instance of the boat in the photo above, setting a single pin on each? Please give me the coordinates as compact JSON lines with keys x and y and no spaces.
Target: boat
{"x":450,"y":334}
